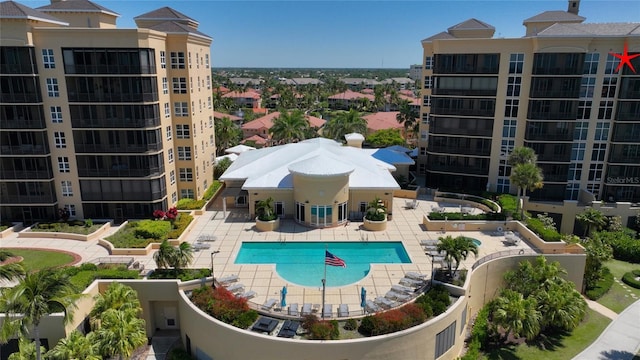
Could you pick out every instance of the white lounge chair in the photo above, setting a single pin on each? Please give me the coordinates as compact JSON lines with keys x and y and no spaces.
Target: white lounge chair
{"x":228,"y":279}
{"x":327,"y":312}
{"x":429,"y":242}
{"x":402,"y":289}
{"x":384,"y":302}
{"x":235,"y":288}
{"x":293,"y":309}
{"x":200,"y":246}
{"x":269,"y":304}
{"x":415,"y":275}
{"x":306,"y":309}
{"x":343,"y":310}
{"x":206,"y":237}
{"x":248,"y":295}
{"x":411,"y":282}
{"x":372,"y":307}
{"x":392,"y":295}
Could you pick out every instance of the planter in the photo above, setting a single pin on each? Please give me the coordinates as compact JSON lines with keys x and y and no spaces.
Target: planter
{"x":267,"y":225}
{"x":372,"y":225}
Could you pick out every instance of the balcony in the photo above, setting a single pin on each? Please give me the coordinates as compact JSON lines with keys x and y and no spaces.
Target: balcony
{"x":24,"y":150}
{"x":23,"y":124}
{"x":7,"y":199}
{"x":120,"y":172}
{"x":109,"y":69}
{"x":117,"y":148}
{"x":26,"y":174}
{"x":463,"y":150}
{"x":535,"y":136}
{"x":115,"y":123}
{"x":20,"y":98}
{"x":459,"y":169}
{"x":123,"y":196}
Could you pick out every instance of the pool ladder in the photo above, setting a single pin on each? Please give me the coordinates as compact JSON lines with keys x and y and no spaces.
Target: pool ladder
{"x":281,"y":238}
{"x":364,"y":238}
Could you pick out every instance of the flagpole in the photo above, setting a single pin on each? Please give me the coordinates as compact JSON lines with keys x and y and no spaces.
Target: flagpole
{"x":324,"y":279}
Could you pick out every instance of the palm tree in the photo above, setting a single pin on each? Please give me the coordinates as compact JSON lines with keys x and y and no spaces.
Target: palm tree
{"x":376,"y":211}
{"x":456,"y":250}
{"x":117,"y":296}
{"x":26,"y":350}
{"x":265,"y":210}
{"x":74,"y":347}
{"x":517,"y":315}
{"x":526,"y":176}
{"x":592,"y":220}
{"x":522,"y":155}
{"x":343,"y":123}
{"x":183,"y":255}
{"x":9,"y":270}
{"x":227,"y":134}
{"x":289,"y":127}
{"x":407,"y":116}
{"x":561,"y":306}
{"x":120,"y":333}
{"x":37,"y":295}
{"x":379,"y":99}
{"x":163,"y":257}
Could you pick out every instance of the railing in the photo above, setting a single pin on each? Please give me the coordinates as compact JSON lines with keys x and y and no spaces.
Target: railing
{"x":500,"y":254}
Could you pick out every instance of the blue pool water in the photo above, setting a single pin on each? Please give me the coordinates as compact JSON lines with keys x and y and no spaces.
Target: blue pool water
{"x":302,"y":263}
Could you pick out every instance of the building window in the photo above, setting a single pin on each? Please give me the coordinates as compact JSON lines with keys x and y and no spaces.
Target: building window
{"x":504,"y":186}
{"x":209,"y":102}
{"x":513,"y":85}
{"x":504,"y":169}
{"x":595,"y":172}
{"x":587,"y":87}
{"x":191,"y":84}
{"x":445,"y":339}
{"x":577,"y":151}
{"x":186,"y":174}
{"x":56,"y":114}
{"x":426,"y":118}
{"x":428,"y":82}
{"x":184,"y":152}
{"x":63,"y":164}
{"x":602,"y":131}
{"x":66,"y":188}
{"x":170,"y":155}
{"x":423,"y":150}
{"x":428,"y":62}
{"x":424,"y":135}
{"x":594,"y":189}
{"x":609,"y":87}
{"x":584,"y":110}
{"x":206,"y":60}
{"x":506,"y":146}
{"x":591,"y":63}
{"x":59,"y":139}
{"x":208,"y":82}
{"x":181,"y":108}
{"x":187,"y":194}
{"x":197,"y":173}
{"x":509,"y":128}
{"x":516,"y":63}
{"x":71,"y":209}
{"x":422,"y":168}
{"x":163,"y":59}
{"x":169,"y":133}
{"x":182,"y":131}
{"x":573,"y":189}
{"x":580,"y":130}
{"x":179,"y":85}
{"x":47,"y":59}
{"x":165,"y":85}
{"x":211,"y":140}
{"x":575,"y":172}
{"x":174,"y":197}
{"x":426,"y":100}
{"x":611,"y":65}
{"x":167,"y":110}
{"x":177,"y":60}
{"x":606,"y":110}
{"x":511,"y":108}
{"x":210,"y":121}
{"x":172,"y":177}
{"x":189,"y":59}
{"x":195,"y":150}
{"x":52,"y":87}
{"x":598,"y":152}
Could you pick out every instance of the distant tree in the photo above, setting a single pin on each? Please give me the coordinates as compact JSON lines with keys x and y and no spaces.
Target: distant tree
{"x":517,"y":315}
{"x":526,"y":176}
{"x":385,"y":138}
{"x":522,"y":155}
{"x":289,"y":127}
{"x":456,"y":250}
{"x":598,"y":252}
{"x":592,"y":220}
{"x":74,"y":347}
{"x":344,"y":122}
{"x":221,"y":166}
{"x":408,"y":117}
{"x":9,"y":270}
{"x":227,"y":134}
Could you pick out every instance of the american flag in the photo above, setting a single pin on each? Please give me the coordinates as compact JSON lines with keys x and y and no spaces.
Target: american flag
{"x":330,"y":259}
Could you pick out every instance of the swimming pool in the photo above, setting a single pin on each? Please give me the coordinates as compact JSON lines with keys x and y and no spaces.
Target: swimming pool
{"x":302,"y":263}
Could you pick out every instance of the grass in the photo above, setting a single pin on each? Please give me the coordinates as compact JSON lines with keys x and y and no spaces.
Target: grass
{"x":41,"y":259}
{"x":618,"y":298}
{"x":557,"y":346}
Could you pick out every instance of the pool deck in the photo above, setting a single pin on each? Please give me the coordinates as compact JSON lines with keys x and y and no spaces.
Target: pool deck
{"x":232,"y":230}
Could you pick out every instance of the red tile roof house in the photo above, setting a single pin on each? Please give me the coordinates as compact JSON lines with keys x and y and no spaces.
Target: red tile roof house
{"x":247,"y":99}
{"x":255,"y":141}
{"x":382,"y":120}
{"x":235,"y":119}
{"x":261,"y":125}
{"x":347,"y":99}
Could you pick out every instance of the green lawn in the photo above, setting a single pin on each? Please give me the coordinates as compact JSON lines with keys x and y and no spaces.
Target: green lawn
{"x":618,"y":298}
{"x":556,"y":347}
{"x":40,"y":259}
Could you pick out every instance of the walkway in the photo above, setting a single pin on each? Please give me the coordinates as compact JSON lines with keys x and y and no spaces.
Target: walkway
{"x":620,"y":340}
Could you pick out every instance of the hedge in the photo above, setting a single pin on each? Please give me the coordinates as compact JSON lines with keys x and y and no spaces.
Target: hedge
{"x":182,"y":274}
{"x":179,"y":225}
{"x":461,"y":216}
{"x":472,"y":198}
{"x":192,"y":204}
{"x":602,"y":286}
{"x":549,"y":235}
{"x":631,"y":278}
{"x":153,"y":229}
{"x":625,"y":245}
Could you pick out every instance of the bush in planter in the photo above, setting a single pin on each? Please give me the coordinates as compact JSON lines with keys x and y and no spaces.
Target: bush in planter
{"x":631,"y":278}
{"x":376,"y":211}
{"x":150,"y":229}
{"x":602,"y":286}
{"x":179,"y":225}
{"x":265,"y":210}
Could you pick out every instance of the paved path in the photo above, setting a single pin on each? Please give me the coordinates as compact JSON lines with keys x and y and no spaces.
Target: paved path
{"x":603,"y":310}
{"x":620,"y":340}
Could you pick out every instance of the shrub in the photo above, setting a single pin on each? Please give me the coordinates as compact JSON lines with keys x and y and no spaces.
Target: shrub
{"x":631,"y":278}
{"x":322,"y":330}
{"x":624,"y":244}
{"x":602,"y":285}
{"x":461,"y":216}
{"x":351,"y":324}
{"x":182,"y":274}
{"x":547,"y":234}
{"x":179,"y":354}
{"x":152,"y":229}
{"x":437,"y":299}
{"x":179,"y":225}
{"x":190,"y":204}
{"x":88,"y":223}
{"x":224,"y":306}
{"x":392,"y":320}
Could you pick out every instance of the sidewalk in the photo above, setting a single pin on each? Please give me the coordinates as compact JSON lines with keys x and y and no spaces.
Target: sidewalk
{"x":620,"y":340}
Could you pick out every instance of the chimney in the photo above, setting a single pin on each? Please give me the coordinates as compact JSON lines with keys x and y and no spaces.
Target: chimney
{"x":574,"y":6}
{"x":354,"y":140}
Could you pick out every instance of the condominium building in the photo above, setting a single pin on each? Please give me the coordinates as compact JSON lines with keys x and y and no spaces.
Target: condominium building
{"x":559,"y":90}
{"x":107,"y":123}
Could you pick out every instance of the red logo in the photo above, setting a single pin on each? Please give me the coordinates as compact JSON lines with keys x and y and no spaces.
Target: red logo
{"x":625,"y":58}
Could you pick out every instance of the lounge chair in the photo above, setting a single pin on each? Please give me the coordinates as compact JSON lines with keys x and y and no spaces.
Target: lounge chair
{"x":384,"y":302}
{"x":429,"y":242}
{"x":402,"y":289}
{"x":343,"y":310}
{"x":265,"y":324}
{"x":248,"y":295}
{"x":269,"y":304}
{"x":411,"y":282}
{"x":327,"y":312}
{"x":293,"y":309}
{"x":228,"y":279}
{"x":200,"y":246}
{"x":371,"y":307}
{"x":392,"y":295}
{"x":289,"y":329}
{"x":235,"y":288}
{"x":414,"y":275}
{"x":306,"y":309}
{"x":206,"y":237}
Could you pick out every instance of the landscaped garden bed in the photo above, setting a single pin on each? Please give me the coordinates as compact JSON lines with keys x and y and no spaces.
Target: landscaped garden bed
{"x":138,"y":234}
{"x":193,"y":204}
{"x":83,"y":275}
{"x":72,"y":227}
{"x":182,"y":274}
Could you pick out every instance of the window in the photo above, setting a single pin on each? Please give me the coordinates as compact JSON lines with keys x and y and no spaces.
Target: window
{"x":189,"y":59}
{"x":504,"y":186}
{"x":195,"y":150}
{"x":428,"y":82}
{"x":63,"y":164}
{"x":206,"y":60}
{"x":179,"y":85}
{"x":426,"y":100}
{"x":602,"y":131}
{"x":186,"y":174}
{"x":66,"y":188}
{"x":182,"y":131}
{"x":187,"y":194}
{"x":172,"y":177}
{"x":184,"y":152}
{"x":211,"y":140}
{"x":591,"y":63}
{"x":606,"y":110}
{"x":174,"y":197}
{"x":587,"y":87}
{"x":511,"y":108}
{"x":163,"y":59}
{"x":424,"y":135}
{"x":445,"y":339}
{"x":181,"y":108}
{"x":598,"y":152}
{"x":191,"y":84}
{"x":594,"y":189}
{"x":165,"y":85}
{"x":577,"y":151}
{"x":584,"y":110}
{"x":504,"y":169}
{"x":506,"y":146}
{"x":208,"y":82}
{"x":210,"y":121}
{"x":575,"y":172}
{"x":56,"y":114}
{"x":509,"y":128}
{"x":167,"y":110}
{"x":59,"y":139}
{"x":170,"y":155}
{"x":611,"y":65}
{"x":47,"y":59}
{"x":513,"y":85}
{"x":52,"y":87}
{"x":516,"y":63}
{"x":177,"y":60}
{"x":428,"y":62}
{"x":169,"y":133}
{"x":573,"y":189}
{"x":209,"y":102}
{"x":595,"y":172}
{"x":423,"y":150}
{"x":197,"y":174}
{"x":363,"y":207}
{"x":580,"y":130}
{"x":426,"y":118}
{"x":71,"y":209}
{"x":609,"y":87}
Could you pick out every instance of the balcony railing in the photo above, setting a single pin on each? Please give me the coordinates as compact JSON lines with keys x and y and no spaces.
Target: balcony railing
{"x":23,"y":124}
{"x":460,"y":169}
{"x":150,"y":171}
{"x":117,"y":148}
{"x":459,"y":150}
{"x":115,"y":123}
{"x":27,"y":199}
{"x":24,"y":150}
{"x":26,"y":174}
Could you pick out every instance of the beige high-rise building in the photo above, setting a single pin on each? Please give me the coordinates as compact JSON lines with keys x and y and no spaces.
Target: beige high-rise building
{"x":557,"y":90}
{"x":108,"y":123}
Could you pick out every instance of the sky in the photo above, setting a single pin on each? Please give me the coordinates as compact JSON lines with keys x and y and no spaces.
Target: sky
{"x":346,"y":34}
